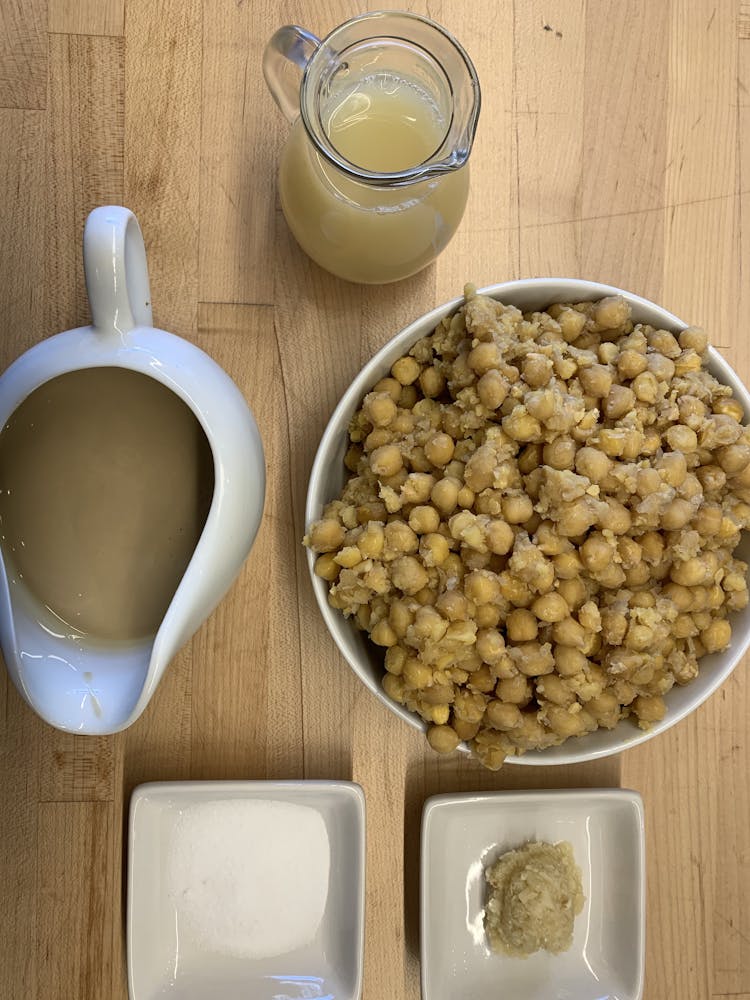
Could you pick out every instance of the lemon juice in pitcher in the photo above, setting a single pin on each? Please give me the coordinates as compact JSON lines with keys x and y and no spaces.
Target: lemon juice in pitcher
{"x":374,"y":176}
{"x":362,"y":232}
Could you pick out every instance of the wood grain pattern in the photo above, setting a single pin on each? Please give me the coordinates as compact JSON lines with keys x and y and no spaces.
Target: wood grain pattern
{"x":80,"y":838}
{"x":614,"y":144}
{"x":240,"y":145}
{"x":85,"y":141}
{"x":700,"y":279}
{"x":87,"y":17}
{"x":23,"y":54}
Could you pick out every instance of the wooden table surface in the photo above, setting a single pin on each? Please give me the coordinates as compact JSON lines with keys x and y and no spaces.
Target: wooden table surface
{"x":614,"y":144}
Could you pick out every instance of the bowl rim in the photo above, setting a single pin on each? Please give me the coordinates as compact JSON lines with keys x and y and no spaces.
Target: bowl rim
{"x":560,"y":289}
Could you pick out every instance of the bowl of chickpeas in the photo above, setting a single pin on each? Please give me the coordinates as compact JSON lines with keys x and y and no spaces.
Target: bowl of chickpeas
{"x":526,"y":522}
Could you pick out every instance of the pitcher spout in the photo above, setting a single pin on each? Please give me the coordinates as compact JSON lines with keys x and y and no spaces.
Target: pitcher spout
{"x":74,"y":684}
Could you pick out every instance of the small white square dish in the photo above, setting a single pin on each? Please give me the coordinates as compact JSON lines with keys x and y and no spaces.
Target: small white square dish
{"x":242,"y":889}
{"x":463,"y":834}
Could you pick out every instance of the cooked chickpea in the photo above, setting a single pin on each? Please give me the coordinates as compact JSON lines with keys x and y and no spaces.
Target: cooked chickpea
{"x":431,"y":382}
{"x":649,"y":709}
{"x":717,"y":635}
{"x":568,"y":565}
{"x":520,"y":425}
{"x":563,"y":722}
{"x":406,"y":370}
{"x":549,"y":542}
{"x":379,"y":408}
{"x":573,"y":592}
{"x":499,"y":537}
{"x":648,"y":481}
{"x":550,"y":608}
{"x":693,"y":338}
{"x":612,"y":441}
{"x":503,"y":715}
{"x":688,"y":572}
{"x":682,"y":438}
{"x":619,"y":401}
{"x":466,"y":497}
{"x":394,"y":687}
{"x":555,"y":689}
{"x":490,"y":645}
{"x":395,"y":658}
{"x":442,"y":739}
{"x":386,"y":460}
{"x":536,"y":370}
{"x":730,"y":407}
{"x":631,"y":364}
{"x":492,"y":389}
{"x":560,"y":453}
{"x":400,"y":617}
{"x":444,"y":495}
{"x":596,"y":553}
{"x":592,"y":463}
{"x":616,"y":518}
{"x":677,"y":515}
{"x":417,"y":487}
{"x":646,"y":387}
{"x":517,"y":508}
{"x":383,"y":635}
{"x":712,"y":478}
{"x":439,"y":449}
{"x":390,"y":386}
{"x":574,"y":518}
{"x":327,"y":567}
{"x":596,"y":380}
{"x":433,"y":549}
{"x":734,"y":458}
{"x":424,"y":520}
{"x":611,"y":313}
{"x":326,"y":535}
{"x":408,"y":574}
{"x":568,"y":632}
{"x":514,"y":690}
{"x":533,"y":659}
{"x":407,"y":400}
{"x":484,"y":357}
{"x":417,"y":675}
{"x":482,"y":587}
{"x":708,"y":519}
{"x":571,"y":323}
{"x":398,"y":538}
{"x":540,"y":404}
{"x":569,"y":661}
{"x":522,"y":625}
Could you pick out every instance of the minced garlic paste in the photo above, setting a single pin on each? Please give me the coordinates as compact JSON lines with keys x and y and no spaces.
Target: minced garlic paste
{"x":535,"y":895}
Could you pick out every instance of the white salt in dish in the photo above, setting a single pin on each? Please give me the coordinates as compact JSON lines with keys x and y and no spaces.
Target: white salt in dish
{"x":246,"y":888}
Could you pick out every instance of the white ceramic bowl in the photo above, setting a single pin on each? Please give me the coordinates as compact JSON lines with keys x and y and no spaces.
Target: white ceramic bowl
{"x":328,"y":476}
{"x":464,"y":834}
{"x":166,"y":959}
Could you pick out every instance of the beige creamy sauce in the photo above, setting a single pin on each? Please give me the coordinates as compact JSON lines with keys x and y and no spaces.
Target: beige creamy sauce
{"x":361,"y":232}
{"x":106,"y":478}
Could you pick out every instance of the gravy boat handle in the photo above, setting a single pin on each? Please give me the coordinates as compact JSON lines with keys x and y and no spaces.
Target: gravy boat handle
{"x":114,"y":262}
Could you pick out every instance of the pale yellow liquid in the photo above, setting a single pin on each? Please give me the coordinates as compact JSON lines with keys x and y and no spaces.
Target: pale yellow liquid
{"x":364,"y":233}
{"x":106,"y":478}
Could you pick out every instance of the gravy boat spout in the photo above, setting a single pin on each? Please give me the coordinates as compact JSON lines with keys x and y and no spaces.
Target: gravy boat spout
{"x":94,"y":685}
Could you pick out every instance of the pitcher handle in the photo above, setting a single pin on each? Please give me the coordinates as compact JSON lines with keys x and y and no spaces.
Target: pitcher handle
{"x":291,"y":46}
{"x":114,"y":261}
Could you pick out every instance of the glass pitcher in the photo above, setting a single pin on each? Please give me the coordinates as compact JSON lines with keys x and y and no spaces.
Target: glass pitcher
{"x":374,"y":176}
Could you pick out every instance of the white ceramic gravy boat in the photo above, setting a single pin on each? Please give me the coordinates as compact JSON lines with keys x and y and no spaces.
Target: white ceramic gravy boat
{"x":98,"y":687}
